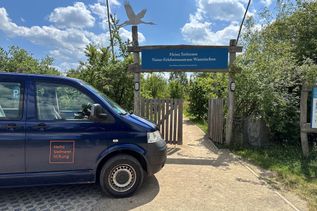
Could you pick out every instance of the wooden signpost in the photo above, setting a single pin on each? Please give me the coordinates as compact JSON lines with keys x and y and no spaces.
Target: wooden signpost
{"x":185,"y":58}
{"x":230,"y":103}
{"x":305,"y":127}
{"x":137,"y":74}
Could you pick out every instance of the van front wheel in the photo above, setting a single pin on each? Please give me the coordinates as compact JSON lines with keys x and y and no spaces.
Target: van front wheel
{"x":121,"y":176}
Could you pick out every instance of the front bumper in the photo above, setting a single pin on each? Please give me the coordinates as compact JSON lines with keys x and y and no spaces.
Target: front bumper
{"x":156,"y":156}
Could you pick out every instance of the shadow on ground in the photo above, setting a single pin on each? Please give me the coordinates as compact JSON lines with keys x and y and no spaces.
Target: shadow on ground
{"x":221,"y":158}
{"x":74,"y":197}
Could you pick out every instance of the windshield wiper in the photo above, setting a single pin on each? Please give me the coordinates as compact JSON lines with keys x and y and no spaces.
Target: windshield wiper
{"x":123,"y":114}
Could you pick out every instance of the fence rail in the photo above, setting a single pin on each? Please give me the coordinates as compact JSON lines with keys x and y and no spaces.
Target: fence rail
{"x":167,"y":114}
{"x":215,"y":120}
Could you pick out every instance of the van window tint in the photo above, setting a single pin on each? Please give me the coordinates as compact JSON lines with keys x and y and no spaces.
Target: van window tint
{"x":10,"y":101}
{"x":61,"y":102}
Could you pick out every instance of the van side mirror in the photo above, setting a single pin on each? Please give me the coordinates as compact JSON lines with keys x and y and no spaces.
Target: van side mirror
{"x":98,"y":113}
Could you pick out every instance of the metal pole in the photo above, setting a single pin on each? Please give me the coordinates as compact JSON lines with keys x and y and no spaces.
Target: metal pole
{"x":137,"y":74}
{"x":110,"y":31}
{"x":229,"y":122}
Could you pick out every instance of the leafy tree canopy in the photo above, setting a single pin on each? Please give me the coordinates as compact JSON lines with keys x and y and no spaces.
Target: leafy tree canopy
{"x":19,"y":60}
{"x":275,"y":65}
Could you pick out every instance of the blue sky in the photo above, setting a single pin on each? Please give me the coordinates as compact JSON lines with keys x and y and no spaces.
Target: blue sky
{"x":62,"y":28}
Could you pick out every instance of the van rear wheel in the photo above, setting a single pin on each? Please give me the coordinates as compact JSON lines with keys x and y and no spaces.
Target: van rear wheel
{"x":121,"y":176}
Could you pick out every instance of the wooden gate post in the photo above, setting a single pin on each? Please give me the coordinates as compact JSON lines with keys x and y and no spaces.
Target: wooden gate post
{"x":215,"y":120}
{"x":303,"y":120}
{"x":229,"y":121}
{"x":137,"y":74}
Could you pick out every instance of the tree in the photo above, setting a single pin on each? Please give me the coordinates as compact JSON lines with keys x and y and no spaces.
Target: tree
{"x":203,"y":87}
{"x":109,"y":76}
{"x":178,"y":85}
{"x":154,"y":86}
{"x":19,"y":60}
{"x":179,"y":76}
{"x":274,"y":67}
{"x":302,"y":30}
{"x":176,"y":89}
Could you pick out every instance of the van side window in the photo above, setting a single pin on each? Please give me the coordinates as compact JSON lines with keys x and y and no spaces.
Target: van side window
{"x":61,"y":102}
{"x":10,"y":101}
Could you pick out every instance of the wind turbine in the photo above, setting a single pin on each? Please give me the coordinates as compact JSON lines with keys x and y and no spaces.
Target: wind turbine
{"x":134,"y":19}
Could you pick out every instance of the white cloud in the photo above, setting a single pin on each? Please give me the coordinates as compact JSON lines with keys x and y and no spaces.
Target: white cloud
{"x":66,"y":44}
{"x":127,"y":35}
{"x":266,"y":2}
{"x":76,"y":16}
{"x":209,"y":13}
{"x":200,"y":33}
{"x":99,"y":9}
{"x":224,"y":10}
{"x":67,"y":66}
{"x":111,"y":2}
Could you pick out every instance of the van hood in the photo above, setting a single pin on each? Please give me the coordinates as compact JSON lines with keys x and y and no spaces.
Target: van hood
{"x":140,"y":122}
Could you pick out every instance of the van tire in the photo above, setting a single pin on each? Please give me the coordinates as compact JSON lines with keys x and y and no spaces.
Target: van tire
{"x":121,"y":176}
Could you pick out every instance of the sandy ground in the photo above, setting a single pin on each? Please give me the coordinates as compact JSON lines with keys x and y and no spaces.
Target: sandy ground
{"x":198,"y":176}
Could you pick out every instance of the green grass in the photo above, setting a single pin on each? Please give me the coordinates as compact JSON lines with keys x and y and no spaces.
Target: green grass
{"x":293,"y":172}
{"x":202,"y":124}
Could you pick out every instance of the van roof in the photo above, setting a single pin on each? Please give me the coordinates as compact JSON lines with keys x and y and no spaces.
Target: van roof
{"x":39,"y":76}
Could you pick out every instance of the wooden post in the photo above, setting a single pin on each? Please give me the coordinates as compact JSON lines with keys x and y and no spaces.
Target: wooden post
{"x":137,"y":74}
{"x":229,"y":122}
{"x":180,"y":122}
{"x":215,"y":120}
{"x":303,"y":120}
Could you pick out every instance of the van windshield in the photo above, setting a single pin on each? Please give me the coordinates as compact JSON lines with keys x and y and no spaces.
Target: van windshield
{"x":113,"y":104}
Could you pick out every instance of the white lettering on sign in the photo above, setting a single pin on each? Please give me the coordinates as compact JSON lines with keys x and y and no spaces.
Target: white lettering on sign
{"x":196,"y":59}
{"x":156,"y":60}
{"x":182,"y":54}
{"x":204,"y":59}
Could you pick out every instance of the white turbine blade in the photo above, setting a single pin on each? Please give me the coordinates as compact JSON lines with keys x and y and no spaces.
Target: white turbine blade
{"x":141,"y":14}
{"x":130,"y":13}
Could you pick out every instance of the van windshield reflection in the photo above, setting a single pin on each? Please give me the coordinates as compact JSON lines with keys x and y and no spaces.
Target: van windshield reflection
{"x":113,"y":104}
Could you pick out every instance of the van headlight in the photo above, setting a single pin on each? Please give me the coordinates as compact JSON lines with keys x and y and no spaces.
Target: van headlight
{"x":154,"y":137}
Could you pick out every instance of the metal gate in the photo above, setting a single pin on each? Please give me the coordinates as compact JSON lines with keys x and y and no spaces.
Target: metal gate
{"x":167,"y":114}
{"x":215,"y":120}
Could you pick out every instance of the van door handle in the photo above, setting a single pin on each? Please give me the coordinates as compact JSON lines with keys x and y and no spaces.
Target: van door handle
{"x":41,"y":126}
{"x":11,"y":126}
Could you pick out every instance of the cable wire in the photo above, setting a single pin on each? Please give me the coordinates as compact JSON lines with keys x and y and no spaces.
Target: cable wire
{"x":245,"y":14}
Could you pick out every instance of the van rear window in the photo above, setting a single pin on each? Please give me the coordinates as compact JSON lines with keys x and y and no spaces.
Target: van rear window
{"x":10,"y":101}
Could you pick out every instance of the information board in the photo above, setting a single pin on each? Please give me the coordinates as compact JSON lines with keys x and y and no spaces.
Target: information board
{"x":214,"y":59}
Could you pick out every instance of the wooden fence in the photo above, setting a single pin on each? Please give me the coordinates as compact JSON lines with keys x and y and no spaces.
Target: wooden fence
{"x":215,"y":120}
{"x":167,"y":114}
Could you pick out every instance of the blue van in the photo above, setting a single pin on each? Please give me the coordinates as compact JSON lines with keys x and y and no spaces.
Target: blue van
{"x":58,"y":130}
